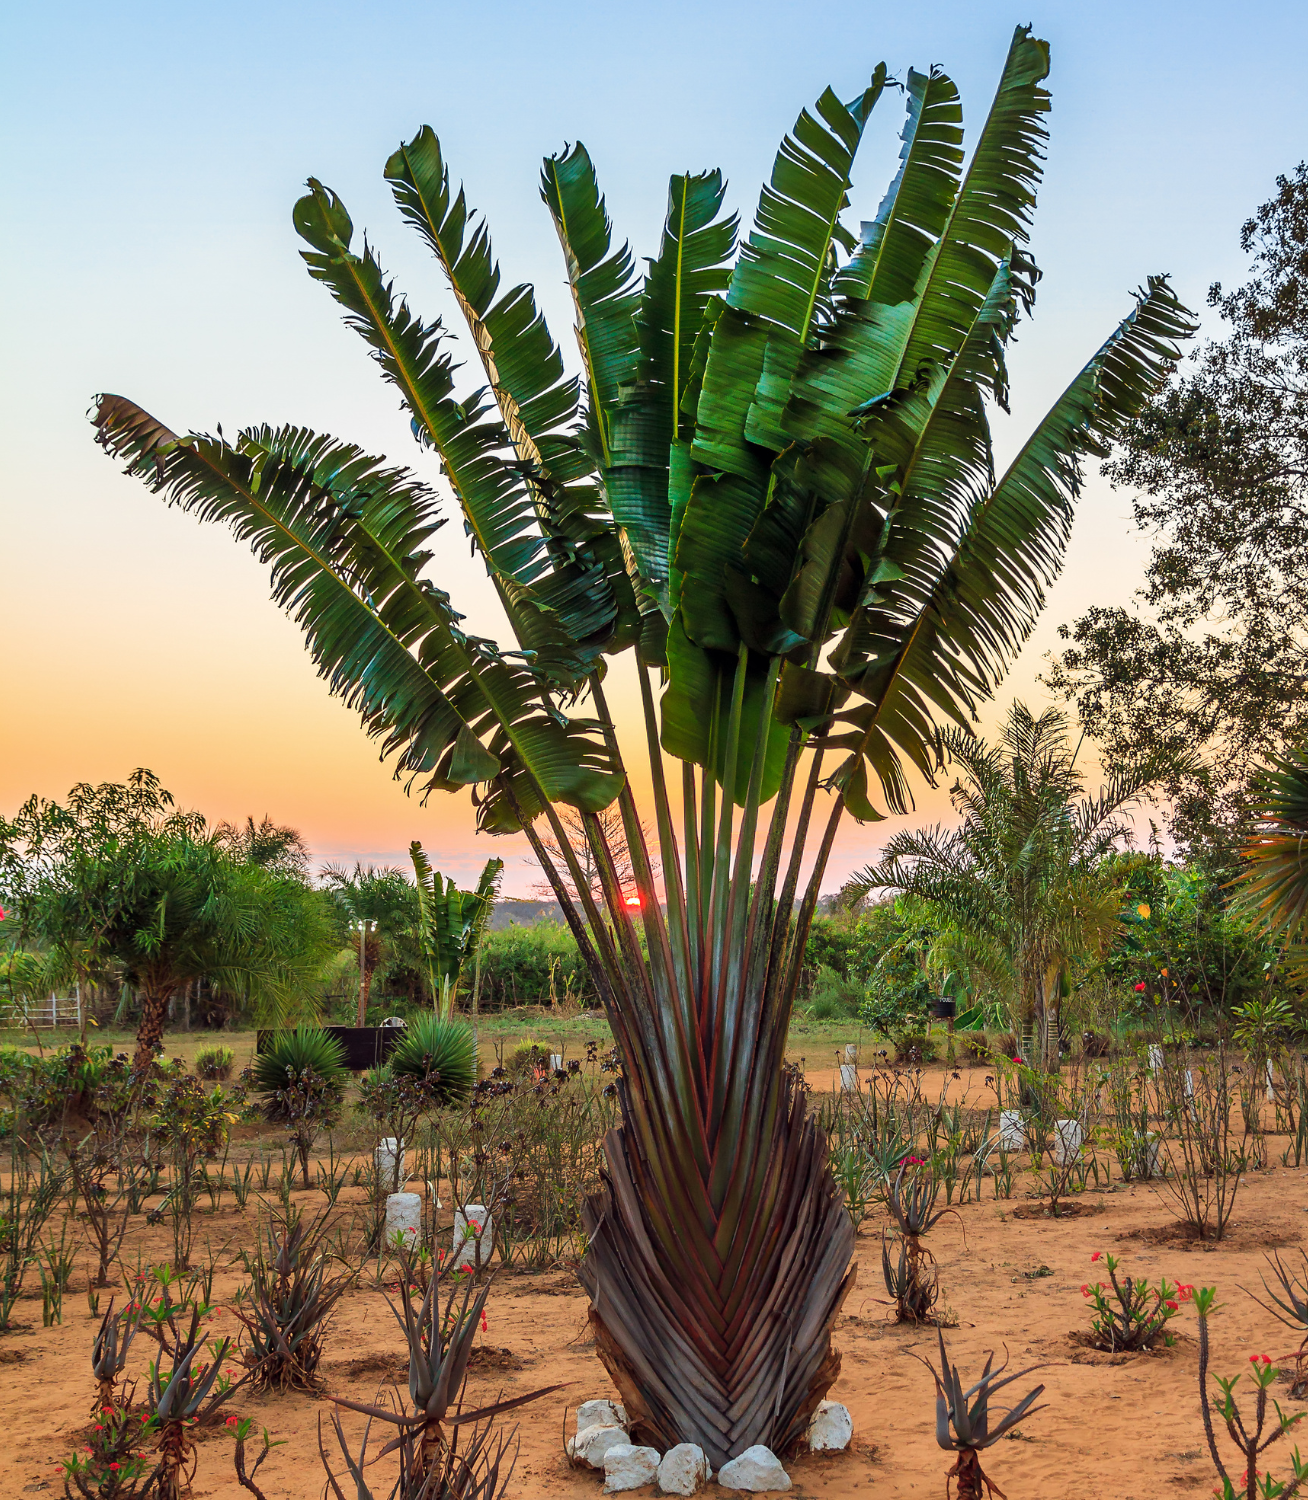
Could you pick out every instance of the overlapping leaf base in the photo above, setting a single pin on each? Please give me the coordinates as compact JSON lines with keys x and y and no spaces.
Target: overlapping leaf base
{"x":722,"y":1352}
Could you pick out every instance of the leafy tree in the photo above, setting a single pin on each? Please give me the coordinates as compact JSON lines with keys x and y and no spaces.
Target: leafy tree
{"x":773,"y":484}
{"x":1219,"y":464}
{"x":1020,"y":882}
{"x":118,"y":874}
{"x":272,"y":846}
{"x":1186,"y":941}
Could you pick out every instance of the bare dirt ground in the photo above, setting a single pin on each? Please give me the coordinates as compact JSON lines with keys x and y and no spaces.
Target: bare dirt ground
{"x":1117,"y":1427}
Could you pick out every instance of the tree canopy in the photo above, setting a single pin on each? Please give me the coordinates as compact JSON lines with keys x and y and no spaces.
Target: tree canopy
{"x":1218,"y":464}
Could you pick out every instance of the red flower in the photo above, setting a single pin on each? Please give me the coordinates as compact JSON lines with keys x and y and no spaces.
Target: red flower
{"x":1085,"y":1288}
{"x":1141,"y":987}
{"x":1098,"y":1255}
{"x":1185,"y":1293}
{"x":115,"y":1466}
{"x":1173,"y":1306}
{"x":1257,"y":1358}
{"x":231,"y":1421}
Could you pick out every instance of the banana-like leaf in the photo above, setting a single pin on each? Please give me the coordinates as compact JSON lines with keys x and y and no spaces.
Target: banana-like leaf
{"x":525,"y":373}
{"x":779,"y":292}
{"x":603,"y":286}
{"x":450,"y":923}
{"x":562,"y":614}
{"x":945,"y":634}
{"x":913,"y":214}
{"x":690,"y":269}
{"x":991,"y":211}
{"x":345,"y":540}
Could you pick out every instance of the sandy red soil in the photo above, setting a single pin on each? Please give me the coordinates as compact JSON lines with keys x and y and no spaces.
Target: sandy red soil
{"x":1117,"y":1427}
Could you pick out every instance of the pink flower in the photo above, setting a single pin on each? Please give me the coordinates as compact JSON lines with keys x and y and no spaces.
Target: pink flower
{"x":115,"y":1466}
{"x":231,"y":1421}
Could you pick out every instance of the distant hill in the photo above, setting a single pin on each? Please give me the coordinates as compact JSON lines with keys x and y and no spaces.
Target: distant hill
{"x":511,"y":913}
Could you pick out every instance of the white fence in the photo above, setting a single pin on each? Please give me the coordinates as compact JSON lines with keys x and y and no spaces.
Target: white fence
{"x":54,"y":1011}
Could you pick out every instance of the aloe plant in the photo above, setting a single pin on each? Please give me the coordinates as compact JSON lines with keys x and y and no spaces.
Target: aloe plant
{"x":964,"y":1425}
{"x":771,"y":487}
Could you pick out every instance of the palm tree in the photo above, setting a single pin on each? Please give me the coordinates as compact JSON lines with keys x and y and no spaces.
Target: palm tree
{"x":1019,"y":886}
{"x":379,"y":907}
{"x":772,"y":484}
{"x":1275,"y":877}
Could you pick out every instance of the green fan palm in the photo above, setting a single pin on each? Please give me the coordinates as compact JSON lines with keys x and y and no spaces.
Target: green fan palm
{"x":440,"y":1053}
{"x":773,"y":484}
{"x":1275,"y":877}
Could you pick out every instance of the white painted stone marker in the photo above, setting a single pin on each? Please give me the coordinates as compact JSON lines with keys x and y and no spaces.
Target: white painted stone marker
{"x":848,"y":1077}
{"x":601,"y":1414}
{"x":1067,"y":1141}
{"x":1012,"y":1129}
{"x":465,"y":1245}
{"x":385,"y":1158}
{"x":1155,"y":1057}
{"x":404,"y":1216}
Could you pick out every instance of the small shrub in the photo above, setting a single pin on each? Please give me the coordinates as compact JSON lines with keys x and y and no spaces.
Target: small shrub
{"x":1131,"y":1314}
{"x":301,"y":1083}
{"x":833,"y":996}
{"x":976,"y":1046}
{"x":440,"y":1054}
{"x":1095,"y":1044}
{"x":288,"y":1303}
{"x":527,"y":1059}
{"x":214,"y":1063}
{"x":827,"y":1008}
{"x":915,"y":1048}
{"x":1246,"y":1433}
{"x":1003,"y":1044}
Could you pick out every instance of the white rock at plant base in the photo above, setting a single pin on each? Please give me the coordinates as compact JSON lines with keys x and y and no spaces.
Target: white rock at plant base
{"x":592,"y":1443}
{"x":757,"y":1468}
{"x":848,"y":1077}
{"x":601,"y":1414}
{"x":556,"y":1061}
{"x":1012,"y":1129}
{"x":627,"y":1467}
{"x":1155,"y":1057}
{"x":466,"y":1245}
{"x":404,"y":1216}
{"x":851,"y":1051}
{"x":830,"y":1428}
{"x":684,"y":1470}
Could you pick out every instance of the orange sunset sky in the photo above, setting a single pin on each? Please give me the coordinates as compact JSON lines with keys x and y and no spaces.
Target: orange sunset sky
{"x":151,"y":253}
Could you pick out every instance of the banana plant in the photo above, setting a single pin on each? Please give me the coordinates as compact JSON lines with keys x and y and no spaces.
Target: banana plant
{"x":451,"y":924}
{"x":770,"y":488}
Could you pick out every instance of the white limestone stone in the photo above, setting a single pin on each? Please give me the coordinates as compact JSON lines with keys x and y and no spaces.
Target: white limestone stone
{"x":601,"y":1414}
{"x":848,"y":1077}
{"x":592,"y":1443}
{"x":468,"y":1247}
{"x":684,"y":1470}
{"x":1271,"y":1080}
{"x":1067,"y":1141}
{"x":1155,"y":1057}
{"x":757,"y":1468}
{"x":851,"y":1052}
{"x":627,"y":1467}
{"x":830,"y":1428}
{"x":404,"y":1216}
{"x":1012,"y":1129}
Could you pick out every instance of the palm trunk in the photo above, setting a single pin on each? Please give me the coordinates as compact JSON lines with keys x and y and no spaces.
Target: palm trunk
{"x":154,"y":999}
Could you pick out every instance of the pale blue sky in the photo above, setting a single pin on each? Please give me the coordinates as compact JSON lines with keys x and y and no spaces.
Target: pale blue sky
{"x":152,"y":155}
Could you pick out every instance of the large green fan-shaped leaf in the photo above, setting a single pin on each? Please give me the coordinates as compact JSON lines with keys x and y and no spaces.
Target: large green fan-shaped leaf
{"x":563,"y":613}
{"x":345,"y":540}
{"x":943,"y":636}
